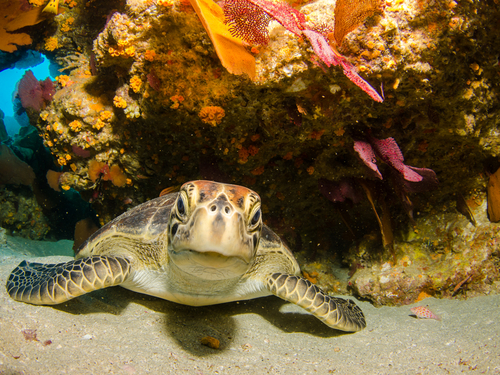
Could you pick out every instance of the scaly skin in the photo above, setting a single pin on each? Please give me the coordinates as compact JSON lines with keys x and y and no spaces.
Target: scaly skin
{"x":335,"y":312}
{"x":50,"y":284}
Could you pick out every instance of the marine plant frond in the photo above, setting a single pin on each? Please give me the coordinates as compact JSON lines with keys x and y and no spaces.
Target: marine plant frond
{"x":349,"y":14}
{"x":247,"y":21}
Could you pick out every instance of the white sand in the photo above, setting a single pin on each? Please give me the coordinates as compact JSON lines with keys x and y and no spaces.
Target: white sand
{"x":120,"y":332}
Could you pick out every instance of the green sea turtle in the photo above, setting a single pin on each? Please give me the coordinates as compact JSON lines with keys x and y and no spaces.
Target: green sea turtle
{"x":201,"y":246}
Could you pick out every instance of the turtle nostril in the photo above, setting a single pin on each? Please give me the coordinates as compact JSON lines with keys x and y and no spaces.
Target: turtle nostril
{"x":213,"y":208}
{"x":227,"y":210}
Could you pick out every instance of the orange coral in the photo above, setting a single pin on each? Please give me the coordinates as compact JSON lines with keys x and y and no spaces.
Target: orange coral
{"x":136,"y":83}
{"x":75,"y":125}
{"x":150,"y":55}
{"x":130,"y":51}
{"x":243,"y":155}
{"x":14,"y":18}
{"x":317,"y":134}
{"x":258,"y":171}
{"x":67,"y":25}
{"x":99,"y":124}
{"x":119,"y":102}
{"x":253,"y":150}
{"x":105,"y":115}
{"x":51,"y":44}
{"x":212,"y":115}
{"x":422,"y":295}
{"x":95,"y":169}
{"x":113,"y":173}
{"x":61,"y":160}
{"x":53,"y":179}
{"x":165,"y":3}
{"x":177,"y":99}
{"x":312,"y":277}
{"x":116,"y":176}
{"x":64,"y":80}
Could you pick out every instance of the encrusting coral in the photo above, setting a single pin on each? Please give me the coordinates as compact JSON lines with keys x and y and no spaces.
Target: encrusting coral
{"x":212,"y":115}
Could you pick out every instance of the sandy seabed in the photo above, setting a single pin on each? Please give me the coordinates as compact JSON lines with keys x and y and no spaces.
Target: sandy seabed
{"x":116,"y":331}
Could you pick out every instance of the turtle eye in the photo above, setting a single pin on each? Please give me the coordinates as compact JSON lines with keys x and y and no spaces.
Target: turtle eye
{"x":255,"y":218}
{"x":181,"y":209}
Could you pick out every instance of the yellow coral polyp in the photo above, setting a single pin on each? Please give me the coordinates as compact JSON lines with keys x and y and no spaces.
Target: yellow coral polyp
{"x":67,"y":25}
{"x":99,"y":124}
{"x":119,"y":102}
{"x":51,"y":44}
{"x":130,"y":51}
{"x":106,"y":115}
{"x":212,"y":115}
{"x":76,"y":125}
{"x":165,"y":3}
{"x":114,"y":52}
{"x":136,"y":84}
{"x":177,"y":99}
{"x":150,"y":55}
{"x":63,"y":80}
{"x":37,"y":3}
{"x":61,"y":160}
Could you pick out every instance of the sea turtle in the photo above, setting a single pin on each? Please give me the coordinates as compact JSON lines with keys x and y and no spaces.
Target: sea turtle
{"x":201,"y":246}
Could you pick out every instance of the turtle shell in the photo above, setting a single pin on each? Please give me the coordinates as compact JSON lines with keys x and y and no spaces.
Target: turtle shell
{"x":146,"y":221}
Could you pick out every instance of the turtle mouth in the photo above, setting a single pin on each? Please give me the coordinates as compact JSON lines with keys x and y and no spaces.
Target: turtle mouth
{"x":210,"y":264}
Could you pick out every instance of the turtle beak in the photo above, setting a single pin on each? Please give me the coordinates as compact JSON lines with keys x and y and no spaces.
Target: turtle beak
{"x":217,"y":228}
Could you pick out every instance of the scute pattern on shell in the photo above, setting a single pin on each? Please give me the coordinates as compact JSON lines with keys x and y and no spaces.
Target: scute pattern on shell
{"x":149,"y":219}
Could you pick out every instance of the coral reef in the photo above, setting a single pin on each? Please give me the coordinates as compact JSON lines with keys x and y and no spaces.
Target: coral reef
{"x":21,"y":215}
{"x":444,"y":255}
{"x":144,"y":94}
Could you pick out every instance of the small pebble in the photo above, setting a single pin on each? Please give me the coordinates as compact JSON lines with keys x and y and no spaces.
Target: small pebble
{"x":87,"y":337}
{"x":29,"y":334}
{"x":211,"y":342}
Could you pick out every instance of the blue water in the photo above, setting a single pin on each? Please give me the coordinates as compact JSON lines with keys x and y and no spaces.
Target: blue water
{"x":9,"y":79}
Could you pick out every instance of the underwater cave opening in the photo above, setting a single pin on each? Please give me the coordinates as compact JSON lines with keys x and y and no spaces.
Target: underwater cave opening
{"x":41,"y":67}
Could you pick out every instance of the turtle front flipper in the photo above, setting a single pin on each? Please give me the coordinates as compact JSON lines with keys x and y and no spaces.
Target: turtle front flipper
{"x":335,"y":312}
{"x":50,"y":284}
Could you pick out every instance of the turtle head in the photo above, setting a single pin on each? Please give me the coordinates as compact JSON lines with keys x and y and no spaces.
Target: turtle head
{"x":214,"y":229}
